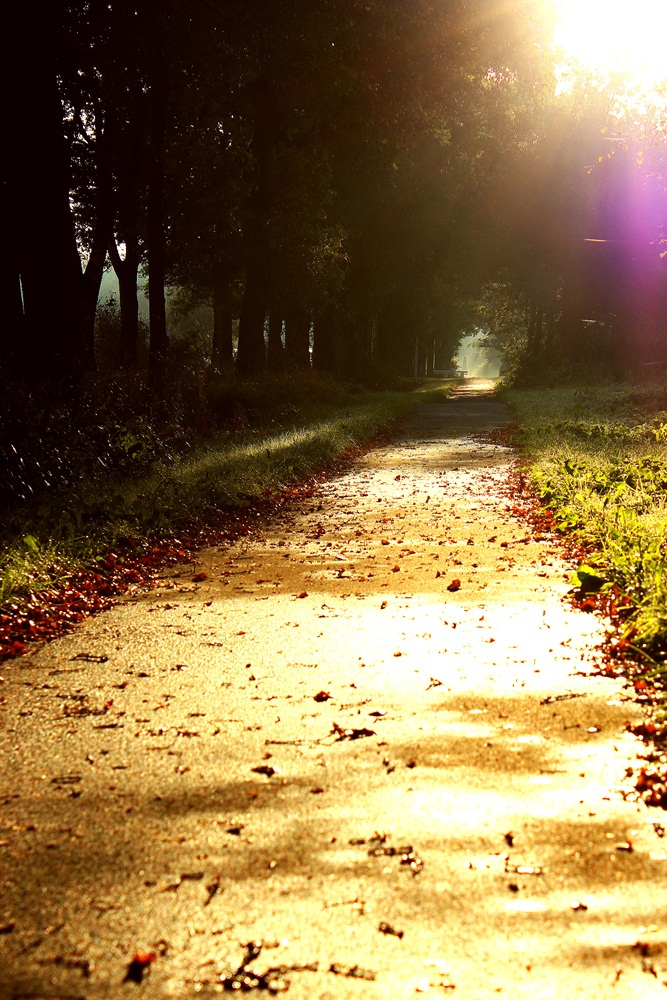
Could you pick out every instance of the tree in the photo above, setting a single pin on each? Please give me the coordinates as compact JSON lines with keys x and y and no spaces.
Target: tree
{"x":47,"y":336}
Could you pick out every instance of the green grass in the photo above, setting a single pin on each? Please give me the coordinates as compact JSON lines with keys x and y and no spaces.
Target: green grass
{"x":597,"y":459}
{"x":283,"y":431}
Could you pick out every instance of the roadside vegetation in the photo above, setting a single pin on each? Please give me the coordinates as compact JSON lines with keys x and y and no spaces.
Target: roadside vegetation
{"x":80,"y":484}
{"x":597,"y":459}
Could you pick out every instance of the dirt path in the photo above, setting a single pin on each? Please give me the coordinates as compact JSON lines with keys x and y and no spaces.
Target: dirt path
{"x":439,"y":810}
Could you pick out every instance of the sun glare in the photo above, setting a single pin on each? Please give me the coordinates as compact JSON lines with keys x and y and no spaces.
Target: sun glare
{"x":616,"y":36}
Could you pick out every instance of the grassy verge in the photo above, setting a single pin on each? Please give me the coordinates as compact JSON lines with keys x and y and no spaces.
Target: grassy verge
{"x":597,"y":458}
{"x":277,"y":433}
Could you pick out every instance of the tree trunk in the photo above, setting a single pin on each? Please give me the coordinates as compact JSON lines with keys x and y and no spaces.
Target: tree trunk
{"x":92,"y":275}
{"x":275,"y":352}
{"x":127,"y":272}
{"x":92,"y":279}
{"x":251,"y":356}
{"x":155,"y":211}
{"x":38,"y":192}
{"x":430,"y":356}
{"x":569,"y":326}
{"x":325,"y":335}
{"x":297,"y":339}
{"x":11,"y":305}
{"x":222,"y":349}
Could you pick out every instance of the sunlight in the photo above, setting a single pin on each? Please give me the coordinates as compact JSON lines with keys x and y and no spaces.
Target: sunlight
{"x":616,"y":36}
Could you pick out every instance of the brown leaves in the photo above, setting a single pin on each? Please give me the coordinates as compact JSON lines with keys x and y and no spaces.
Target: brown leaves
{"x":353,"y":972}
{"x":139,"y":966}
{"x":48,"y":614}
{"x":266,"y":770}
{"x":454,"y":586}
{"x":273,"y":980}
{"x":212,"y":888}
{"x":322,"y":696}
{"x":386,"y":928}
{"x":645,"y":731}
{"x":408,"y":857}
{"x":351,"y":734}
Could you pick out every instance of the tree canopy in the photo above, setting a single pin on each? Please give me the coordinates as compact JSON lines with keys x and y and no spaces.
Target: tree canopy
{"x":350,"y":184}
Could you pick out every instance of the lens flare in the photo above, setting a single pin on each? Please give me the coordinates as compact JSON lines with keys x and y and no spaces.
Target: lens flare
{"x":616,"y":36}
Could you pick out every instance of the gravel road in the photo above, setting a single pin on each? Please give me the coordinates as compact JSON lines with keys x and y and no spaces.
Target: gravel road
{"x":367,"y":742}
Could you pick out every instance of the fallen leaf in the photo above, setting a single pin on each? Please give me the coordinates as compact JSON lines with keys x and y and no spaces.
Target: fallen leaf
{"x":200,"y":577}
{"x":266,"y":769}
{"x":454,"y":585}
{"x":351,"y":734}
{"x":353,"y":972}
{"x":212,"y":888}
{"x":139,"y":966}
{"x":243,"y":980}
{"x":322,"y":696}
{"x":385,"y":928}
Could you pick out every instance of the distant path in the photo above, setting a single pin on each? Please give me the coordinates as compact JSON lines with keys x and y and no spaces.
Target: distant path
{"x":133,"y":821}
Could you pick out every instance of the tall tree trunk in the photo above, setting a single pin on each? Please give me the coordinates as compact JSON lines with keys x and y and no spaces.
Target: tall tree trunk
{"x":532,"y":327}
{"x":325,"y":335}
{"x":297,"y":339}
{"x":569,"y":326}
{"x":155,"y":210}
{"x":222,"y":350}
{"x":251,"y":355}
{"x":430,"y":357}
{"x":550,"y":323}
{"x":92,"y":275}
{"x":38,"y":191}
{"x":11,"y":304}
{"x":92,"y":279}
{"x":127,"y":272}
{"x":275,"y":353}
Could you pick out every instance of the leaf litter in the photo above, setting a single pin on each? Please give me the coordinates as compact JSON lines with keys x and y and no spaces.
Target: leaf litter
{"x":350,"y":734}
{"x":408,"y":857}
{"x":245,"y":980}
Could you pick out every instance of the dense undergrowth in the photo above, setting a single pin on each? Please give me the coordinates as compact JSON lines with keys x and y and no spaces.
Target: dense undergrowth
{"x":90,"y":472}
{"x":597,"y":459}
